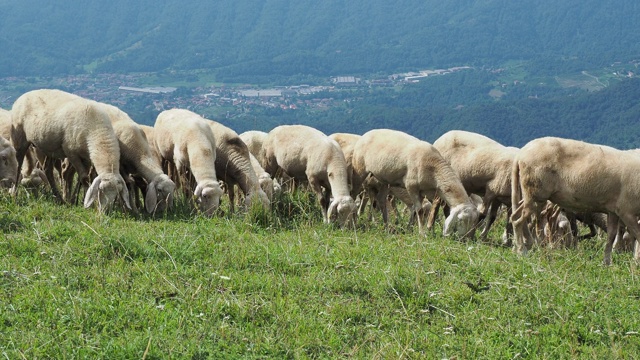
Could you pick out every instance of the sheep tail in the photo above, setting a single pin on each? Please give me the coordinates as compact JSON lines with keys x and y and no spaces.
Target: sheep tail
{"x":516,"y":191}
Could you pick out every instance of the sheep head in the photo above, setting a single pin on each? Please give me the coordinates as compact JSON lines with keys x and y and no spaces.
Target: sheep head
{"x":159,"y":195}
{"x":344,"y":207}
{"x":267,"y":185}
{"x":277,"y":188}
{"x":208,"y":194}
{"x":8,"y":167}
{"x":462,"y":220}
{"x":105,"y":188}
{"x":35,"y":179}
{"x":259,"y":196}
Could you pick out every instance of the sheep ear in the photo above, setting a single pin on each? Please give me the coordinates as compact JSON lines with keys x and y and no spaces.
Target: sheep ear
{"x":447,"y":224}
{"x":170,"y":201}
{"x":43,"y":177}
{"x":92,"y":192}
{"x":151,"y":199}
{"x":450,"y":221}
{"x":332,"y":208}
{"x":198,"y":191}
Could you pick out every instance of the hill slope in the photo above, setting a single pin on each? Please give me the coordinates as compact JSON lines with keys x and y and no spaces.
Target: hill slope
{"x":257,"y":37}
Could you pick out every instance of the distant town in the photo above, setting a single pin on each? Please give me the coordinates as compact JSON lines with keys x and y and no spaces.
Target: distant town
{"x":123,"y":90}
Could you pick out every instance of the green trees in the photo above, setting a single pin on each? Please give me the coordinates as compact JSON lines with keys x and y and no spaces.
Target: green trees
{"x":331,"y":37}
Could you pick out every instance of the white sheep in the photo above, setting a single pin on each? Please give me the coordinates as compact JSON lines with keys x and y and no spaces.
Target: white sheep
{"x":8,"y":164}
{"x":305,"y":153}
{"x":63,"y":125}
{"x":233,"y":166}
{"x":347,"y":142}
{"x":269,"y":185}
{"x":398,"y":159}
{"x":484,"y":168}
{"x":556,"y":227}
{"x":578,"y":177}
{"x":254,"y":140}
{"x":185,"y":142}
{"x":31,"y":175}
{"x":151,"y":139}
{"x":138,"y":160}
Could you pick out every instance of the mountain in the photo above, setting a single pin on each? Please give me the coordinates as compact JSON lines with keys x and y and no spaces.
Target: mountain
{"x":256,"y":38}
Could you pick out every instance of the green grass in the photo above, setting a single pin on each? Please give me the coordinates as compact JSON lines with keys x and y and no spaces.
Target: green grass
{"x":77,"y":284}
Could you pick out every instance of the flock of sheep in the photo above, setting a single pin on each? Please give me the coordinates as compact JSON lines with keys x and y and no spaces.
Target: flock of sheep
{"x":551,"y":182}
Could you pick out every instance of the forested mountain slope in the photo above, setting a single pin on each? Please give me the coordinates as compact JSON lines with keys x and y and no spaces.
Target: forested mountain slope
{"x":287,"y":37}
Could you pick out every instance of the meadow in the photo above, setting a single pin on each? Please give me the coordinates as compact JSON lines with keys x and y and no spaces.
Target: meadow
{"x":78,"y":284}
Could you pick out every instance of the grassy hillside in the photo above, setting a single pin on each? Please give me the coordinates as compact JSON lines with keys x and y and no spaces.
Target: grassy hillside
{"x":76,"y":284}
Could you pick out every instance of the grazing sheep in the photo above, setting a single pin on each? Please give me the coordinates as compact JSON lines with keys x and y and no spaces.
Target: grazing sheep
{"x":138,"y":160}
{"x":233,"y":166}
{"x":578,"y":177}
{"x":347,"y":142}
{"x":8,"y":164}
{"x":186,"y":144}
{"x":556,"y":227}
{"x":63,"y":125}
{"x":151,"y":139}
{"x":398,"y":159}
{"x":305,"y":153}
{"x":254,"y":140}
{"x":31,"y":176}
{"x":484,"y":168}
{"x":270,"y":186}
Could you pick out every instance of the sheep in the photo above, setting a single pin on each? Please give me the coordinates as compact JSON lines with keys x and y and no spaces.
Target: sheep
{"x":303,"y":152}
{"x":347,"y":142}
{"x":137,"y":159}
{"x":31,"y":176}
{"x":579,"y":177}
{"x":270,"y":186}
{"x":398,"y":159}
{"x":484,"y":168}
{"x":8,"y":164}
{"x":233,"y":166}
{"x":63,"y":125}
{"x":185,"y":143}
{"x":556,"y":227}
{"x":150,"y":135}
{"x":254,"y":140}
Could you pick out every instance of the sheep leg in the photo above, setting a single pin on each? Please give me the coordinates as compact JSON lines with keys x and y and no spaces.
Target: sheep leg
{"x":415,"y":208}
{"x":130,"y":183}
{"x":520,"y":220}
{"x":612,"y":223}
{"x":631,"y":221}
{"x":67,"y":180}
{"x":323,"y":197}
{"x":381,"y":200}
{"x":493,"y":214}
{"x":433,"y":213}
{"x":48,"y":171}
{"x":21,"y":145}
{"x":507,"y":235}
{"x":364,"y":199}
{"x":83,"y":177}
